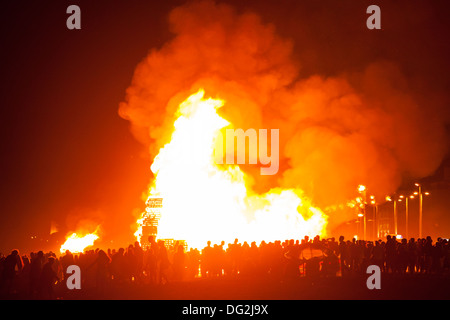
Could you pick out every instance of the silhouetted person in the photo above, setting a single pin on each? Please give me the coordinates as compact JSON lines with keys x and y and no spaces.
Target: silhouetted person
{"x":253,"y":259}
{"x":118,"y":265}
{"x":420,"y":266}
{"x":216,"y":260}
{"x":277,"y":257}
{"x":206,"y":260}
{"x":234,"y":256}
{"x":292,"y":256}
{"x":353,"y":250}
{"x":402,"y":256}
{"x":48,"y":279}
{"x":343,"y":255}
{"x":244,"y":259}
{"x":412,"y":255}
{"x":330,"y":265}
{"x":378,"y":255}
{"x":193,"y":263}
{"x":102,"y":272}
{"x":130,"y":263}
{"x":11,"y":262}
{"x":37,"y":262}
{"x":437,"y":255}
{"x":178,"y":264}
{"x":446,"y":258}
{"x":428,"y":254}
{"x":391,"y":252}
{"x":221,"y":258}
{"x":151,"y":261}
{"x":163,"y":263}
{"x":139,"y":255}
{"x":67,"y":260}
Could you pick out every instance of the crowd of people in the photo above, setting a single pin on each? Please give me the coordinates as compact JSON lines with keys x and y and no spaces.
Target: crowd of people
{"x":155,"y":263}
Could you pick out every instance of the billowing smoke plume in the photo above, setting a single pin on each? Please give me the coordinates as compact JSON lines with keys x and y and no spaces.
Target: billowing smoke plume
{"x":335,"y":132}
{"x":84,"y":220}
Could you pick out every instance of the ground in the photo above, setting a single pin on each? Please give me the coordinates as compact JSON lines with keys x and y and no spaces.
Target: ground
{"x":420,"y":287}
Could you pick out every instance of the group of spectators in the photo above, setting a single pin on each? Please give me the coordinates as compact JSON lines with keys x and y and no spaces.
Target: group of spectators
{"x":38,"y":274}
{"x":397,"y":256}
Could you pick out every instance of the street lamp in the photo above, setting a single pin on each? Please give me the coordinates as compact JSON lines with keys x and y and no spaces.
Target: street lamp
{"x":362,"y":191}
{"x":420,"y":206}
{"x":388,"y":198}
{"x":406,"y":213}
{"x":375,"y":229}
{"x":395,"y":216}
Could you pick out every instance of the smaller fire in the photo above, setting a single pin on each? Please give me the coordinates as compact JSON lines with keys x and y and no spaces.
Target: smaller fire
{"x":76,"y":243}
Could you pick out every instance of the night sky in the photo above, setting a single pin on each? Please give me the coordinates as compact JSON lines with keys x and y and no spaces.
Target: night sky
{"x":67,"y":155}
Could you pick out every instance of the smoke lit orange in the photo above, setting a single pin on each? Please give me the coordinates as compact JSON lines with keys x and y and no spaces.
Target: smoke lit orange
{"x":337,"y":129}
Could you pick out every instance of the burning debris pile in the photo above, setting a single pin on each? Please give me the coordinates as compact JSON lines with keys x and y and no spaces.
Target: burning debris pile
{"x":76,"y":243}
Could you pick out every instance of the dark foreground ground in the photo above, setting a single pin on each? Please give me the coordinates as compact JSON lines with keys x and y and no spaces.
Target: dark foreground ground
{"x":298,"y":298}
{"x":408,"y":287}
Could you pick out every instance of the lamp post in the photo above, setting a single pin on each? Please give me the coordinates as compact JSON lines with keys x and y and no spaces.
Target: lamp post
{"x":420,"y":208}
{"x":407,"y":214}
{"x":375,"y":231}
{"x":406,"y":220}
{"x":420,"y":193}
{"x":395,"y":216}
{"x":362,"y":191}
{"x":377,"y":219}
{"x":388,"y":198}
{"x":396,"y":199}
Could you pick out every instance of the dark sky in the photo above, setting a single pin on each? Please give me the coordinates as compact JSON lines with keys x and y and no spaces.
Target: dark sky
{"x":66,"y":153}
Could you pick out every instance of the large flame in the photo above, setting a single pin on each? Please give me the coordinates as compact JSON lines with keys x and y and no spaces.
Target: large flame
{"x":204,"y":201}
{"x":76,"y":243}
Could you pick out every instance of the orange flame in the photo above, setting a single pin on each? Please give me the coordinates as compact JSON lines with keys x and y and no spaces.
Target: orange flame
{"x":76,"y":243}
{"x":203,"y":201}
